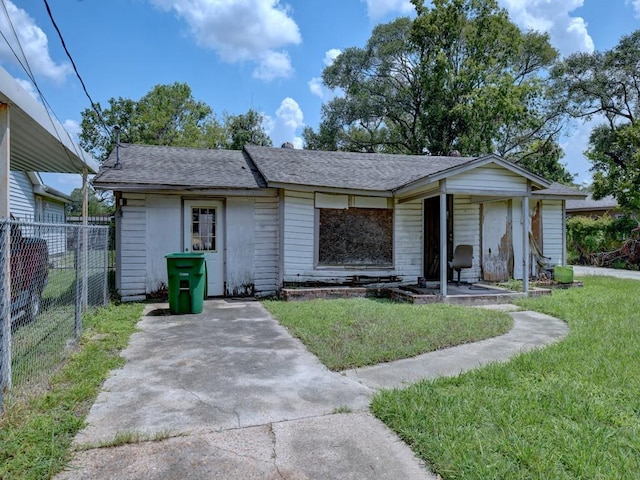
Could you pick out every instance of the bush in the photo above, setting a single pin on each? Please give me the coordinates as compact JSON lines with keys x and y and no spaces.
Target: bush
{"x":586,"y":235}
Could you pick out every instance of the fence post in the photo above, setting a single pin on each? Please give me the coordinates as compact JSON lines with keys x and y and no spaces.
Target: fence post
{"x":5,"y":309}
{"x":79,"y":281}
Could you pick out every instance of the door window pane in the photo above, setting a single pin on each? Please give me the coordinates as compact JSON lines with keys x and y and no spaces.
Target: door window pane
{"x":203,"y":229}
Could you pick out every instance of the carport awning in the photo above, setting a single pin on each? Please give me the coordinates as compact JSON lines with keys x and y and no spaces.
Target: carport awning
{"x":37,"y":141}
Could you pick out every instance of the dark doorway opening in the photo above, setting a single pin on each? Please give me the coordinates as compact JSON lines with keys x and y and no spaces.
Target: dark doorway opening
{"x":432,"y":237}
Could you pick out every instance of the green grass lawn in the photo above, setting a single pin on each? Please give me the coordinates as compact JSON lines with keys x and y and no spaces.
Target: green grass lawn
{"x":356,"y":332}
{"x":36,"y":432}
{"x":568,"y":411}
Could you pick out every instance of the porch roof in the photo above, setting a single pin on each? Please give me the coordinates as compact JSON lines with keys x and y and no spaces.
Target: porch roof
{"x":38,"y":142}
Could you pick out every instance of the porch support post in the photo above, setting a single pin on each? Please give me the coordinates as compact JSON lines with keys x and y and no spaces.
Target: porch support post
{"x":443,"y":238}
{"x":525,"y":244}
{"x":5,"y":253}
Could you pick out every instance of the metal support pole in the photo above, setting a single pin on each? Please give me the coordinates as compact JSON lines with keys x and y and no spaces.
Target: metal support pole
{"x":78,"y":293}
{"x":443,"y":243}
{"x":85,"y":231}
{"x":525,"y":245}
{"x":5,"y":254}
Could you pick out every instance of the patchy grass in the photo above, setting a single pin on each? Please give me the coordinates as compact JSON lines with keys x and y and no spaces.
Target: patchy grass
{"x":571,"y":410}
{"x":356,"y":332}
{"x":36,"y":432}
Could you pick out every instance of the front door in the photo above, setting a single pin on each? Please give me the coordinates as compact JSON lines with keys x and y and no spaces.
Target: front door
{"x":204,"y":233}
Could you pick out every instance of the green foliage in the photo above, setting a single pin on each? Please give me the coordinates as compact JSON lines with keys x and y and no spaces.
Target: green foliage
{"x":96,"y":205}
{"x":461,"y":76}
{"x":606,"y":85}
{"x":587,"y":235}
{"x":567,"y":411}
{"x":357,"y":332}
{"x":168,"y":115}
{"x":36,"y":433}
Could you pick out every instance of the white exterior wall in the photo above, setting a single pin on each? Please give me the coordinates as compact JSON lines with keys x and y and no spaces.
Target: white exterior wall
{"x":151,"y":226}
{"x":553,"y":230}
{"x":239,"y":245}
{"x":490,"y":177}
{"x":299,"y":242}
{"x":132,"y":254}
{"x":466,"y":231}
{"x":52,"y":212}
{"x":22,"y":202}
{"x":267,"y":246}
{"x":163,"y":235}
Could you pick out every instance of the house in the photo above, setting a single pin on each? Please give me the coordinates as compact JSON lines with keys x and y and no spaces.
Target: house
{"x":270,"y":217}
{"x":31,"y":200}
{"x":588,"y":207}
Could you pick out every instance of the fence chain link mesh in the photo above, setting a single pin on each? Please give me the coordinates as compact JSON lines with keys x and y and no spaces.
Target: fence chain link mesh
{"x":49,"y":275}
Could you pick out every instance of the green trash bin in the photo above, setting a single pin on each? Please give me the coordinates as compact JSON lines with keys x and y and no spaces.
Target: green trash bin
{"x":187,"y":274}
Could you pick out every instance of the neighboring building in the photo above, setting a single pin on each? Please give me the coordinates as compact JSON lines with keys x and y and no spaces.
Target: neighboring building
{"x":31,"y":200}
{"x":269,"y":217}
{"x":588,"y":207}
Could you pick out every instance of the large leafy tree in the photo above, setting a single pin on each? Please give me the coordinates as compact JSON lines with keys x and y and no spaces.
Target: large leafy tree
{"x":167,"y":115}
{"x":96,"y":204}
{"x":460,"y":76}
{"x":606,"y":86}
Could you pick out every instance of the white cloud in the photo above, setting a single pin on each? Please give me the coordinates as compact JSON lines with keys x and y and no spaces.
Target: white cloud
{"x":574,"y":144}
{"x":240,"y":31}
{"x":379,"y":8}
{"x":31,"y":43}
{"x":73,"y":127}
{"x":316,"y":86}
{"x":636,"y":6}
{"x":288,"y":121}
{"x":331,"y":55}
{"x":568,"y":33}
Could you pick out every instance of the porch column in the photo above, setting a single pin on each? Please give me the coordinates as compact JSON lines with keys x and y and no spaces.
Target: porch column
{"x":443,"y":238}
{"x":5,"y":253}
{"x":525,"y":245}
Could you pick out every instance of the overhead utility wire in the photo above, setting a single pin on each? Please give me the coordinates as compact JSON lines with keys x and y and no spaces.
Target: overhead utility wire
{"x":29,"y":72}
{"x":75,"y":69}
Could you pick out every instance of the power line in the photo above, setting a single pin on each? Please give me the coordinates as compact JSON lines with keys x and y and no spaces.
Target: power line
{"x":75,"y":69}
{"x":29,"y":72}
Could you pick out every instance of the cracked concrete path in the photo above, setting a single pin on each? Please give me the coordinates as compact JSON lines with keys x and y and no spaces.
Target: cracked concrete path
{"x":230,"y":394}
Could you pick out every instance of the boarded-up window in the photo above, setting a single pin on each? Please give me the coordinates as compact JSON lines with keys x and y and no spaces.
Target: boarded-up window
{"x":355,"y":237}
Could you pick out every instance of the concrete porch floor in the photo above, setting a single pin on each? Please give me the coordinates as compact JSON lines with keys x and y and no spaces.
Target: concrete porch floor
{"x":463,"y":294}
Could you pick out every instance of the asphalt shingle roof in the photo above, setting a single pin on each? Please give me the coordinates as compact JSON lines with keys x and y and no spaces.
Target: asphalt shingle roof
{"x":589,"y":203}
{"x":358,"y":171}
{"x":179,"y":167}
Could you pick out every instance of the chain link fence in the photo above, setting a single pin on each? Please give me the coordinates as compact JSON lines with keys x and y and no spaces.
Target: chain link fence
{"x":49,"y":275}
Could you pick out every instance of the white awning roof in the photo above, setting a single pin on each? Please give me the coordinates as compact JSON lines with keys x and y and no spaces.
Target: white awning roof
{"x":37,"y":141}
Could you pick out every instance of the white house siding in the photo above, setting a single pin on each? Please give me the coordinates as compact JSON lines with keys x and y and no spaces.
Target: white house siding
{"x":408,"y":245}
{"x":240,"y":245}
{"x":299,"y":242}
{"x":56,"y":237}
{"x":22,"y":202}
{"x":553,"y":230}
{"x":299,"y":238}
{"x":132,"y":254}
{"x":490,"y":177}
{"x":267,"y":247}
{"x":52,"y":212}
{"x":466,"y":231}
{"x":163,"y":236}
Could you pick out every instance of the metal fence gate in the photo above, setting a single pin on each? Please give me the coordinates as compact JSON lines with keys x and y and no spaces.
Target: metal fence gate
{"x":49,"y":275}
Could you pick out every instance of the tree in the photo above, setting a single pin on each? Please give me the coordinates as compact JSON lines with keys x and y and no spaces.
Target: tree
{"x":96,"y":205}
{"x":245,"y":129}
{"x":460,"y":76}
{"x":167,"y":115}
{"x":606,"y":85}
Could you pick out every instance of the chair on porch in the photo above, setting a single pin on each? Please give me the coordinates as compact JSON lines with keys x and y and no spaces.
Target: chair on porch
{"x":462,"y":258}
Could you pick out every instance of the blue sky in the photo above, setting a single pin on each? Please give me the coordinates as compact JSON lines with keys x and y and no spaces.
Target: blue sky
{"x":239,"y":54}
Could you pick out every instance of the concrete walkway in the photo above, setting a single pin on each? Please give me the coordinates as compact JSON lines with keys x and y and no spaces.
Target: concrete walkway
{"x":229,"y":394}
{"x":580,"y":271}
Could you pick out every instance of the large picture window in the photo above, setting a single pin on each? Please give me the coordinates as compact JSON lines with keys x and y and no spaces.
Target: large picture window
{"x":355,"y":237}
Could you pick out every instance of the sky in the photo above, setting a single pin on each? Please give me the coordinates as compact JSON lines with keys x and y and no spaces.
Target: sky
{"x":267,"y":55}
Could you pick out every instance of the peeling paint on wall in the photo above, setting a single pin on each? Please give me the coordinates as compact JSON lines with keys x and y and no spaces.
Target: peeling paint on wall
{"x":497,"y":241}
